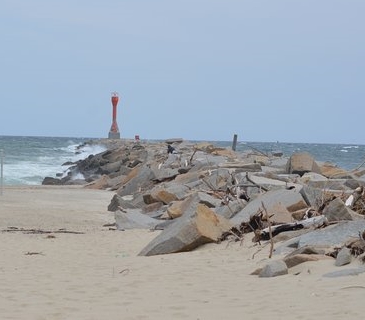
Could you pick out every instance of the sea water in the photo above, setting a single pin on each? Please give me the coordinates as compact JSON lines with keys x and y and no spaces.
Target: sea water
{"x":346,"y":156}
{"x":28,"y":160}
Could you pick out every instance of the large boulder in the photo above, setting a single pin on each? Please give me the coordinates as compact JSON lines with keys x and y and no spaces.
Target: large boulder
{"x":334,"y":235}
{"x":178,"y":208}
{"x":302,"y":162}
{"x":267,"y":182}
{"x":175,"y":210}
{"x":344,"y":257}
{"x":163,"y":174}
{"x":139,"y":178}
{"x":166,"y":193}
{"x":336,"y":210}
{"x":332,"y":171}
{"x":280,"y":214}
{"x":51,"y":181}
{"x":313,"y":196}
{"x":125,"y":202}
{"x":198,"y":226}
{"x":111,"y":167}
{"x":101,"y":183}
{"x":230,"y":209}
{"x":162,"y":195}
{"x":273,"y":269}
{"x":134,"y":219}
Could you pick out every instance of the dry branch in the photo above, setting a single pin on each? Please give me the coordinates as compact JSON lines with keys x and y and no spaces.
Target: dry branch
{"x":270,"y":232}
{"x":39,"y":231}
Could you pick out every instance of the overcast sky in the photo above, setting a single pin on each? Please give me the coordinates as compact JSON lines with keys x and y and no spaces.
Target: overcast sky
{"x":266,"y":70}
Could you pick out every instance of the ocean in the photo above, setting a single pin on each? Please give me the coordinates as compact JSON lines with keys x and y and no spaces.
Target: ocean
{"x":28,"y":160}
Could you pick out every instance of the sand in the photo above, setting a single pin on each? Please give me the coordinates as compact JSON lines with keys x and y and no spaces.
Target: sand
{"x":99,"y":275}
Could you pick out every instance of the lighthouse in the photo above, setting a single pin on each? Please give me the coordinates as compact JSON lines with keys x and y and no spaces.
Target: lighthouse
{"x":114,"y":130}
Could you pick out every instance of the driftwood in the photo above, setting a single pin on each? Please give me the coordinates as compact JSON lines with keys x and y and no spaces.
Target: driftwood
{"x":356,"y":201}
{"x":192,"y":156}
{"x":265,"y":234}
{"x":316,"y":222}
{"x":261,"y":225}
{"x":33,"y":253}
{"x":39,"y":231}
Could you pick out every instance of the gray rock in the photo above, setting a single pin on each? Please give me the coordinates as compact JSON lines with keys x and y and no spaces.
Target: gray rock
{"x":335,"y":235}
{"x":336,"y":211}
{"x":111,"y":167}
{"x":126,"y":202}
{"x":218,"y":179}
{"x":196,"y":185}
{"x":178,"y":208}
{"x":312,"y":196}
{"x":204,"y":161}
{"x":143,"y":179}
{"x":279,"y":163}
{"x":164,"y":224}
{"x":115,"y":181}
{"x":274,"y":269}
{"x":302,"y":162}
{"x":179,"y":190}
{"x":313,"y":176}
{"x":134,"y":219}
{"x":51,"y":181}
{"x":163,"y":173}
{"x":267,"y":182}
{"x":208,"y":200}
{"x":173,"y":161}
{"x":343,"y":257}
{"x":228,"y":211}
{"x":189,"y":177}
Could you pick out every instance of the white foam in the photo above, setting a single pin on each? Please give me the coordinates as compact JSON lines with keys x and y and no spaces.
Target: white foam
{"x":78,"y":176}
{"x":31,"y":169}
{"x":88,"y":150}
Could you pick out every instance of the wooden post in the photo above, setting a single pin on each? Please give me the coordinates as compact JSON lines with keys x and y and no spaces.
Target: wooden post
{"x":234,"y":144}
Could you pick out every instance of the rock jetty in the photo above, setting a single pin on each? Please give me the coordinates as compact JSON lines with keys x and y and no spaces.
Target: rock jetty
{"x":197,"y":193}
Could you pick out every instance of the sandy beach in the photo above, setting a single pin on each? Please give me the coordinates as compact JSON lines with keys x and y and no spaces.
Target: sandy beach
{"x":80,"y":269}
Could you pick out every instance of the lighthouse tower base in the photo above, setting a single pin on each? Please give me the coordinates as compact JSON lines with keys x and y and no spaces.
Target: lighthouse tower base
{"x":114,"y":135}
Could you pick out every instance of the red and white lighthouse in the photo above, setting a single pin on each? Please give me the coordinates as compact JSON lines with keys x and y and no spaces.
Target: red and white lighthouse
{"x":114,"y":130}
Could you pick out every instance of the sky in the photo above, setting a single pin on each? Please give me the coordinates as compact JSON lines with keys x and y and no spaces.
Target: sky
{"x":266,"y":70}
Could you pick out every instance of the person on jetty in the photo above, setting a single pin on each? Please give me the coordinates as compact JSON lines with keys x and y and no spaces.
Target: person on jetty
{"x":171,"y":149}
